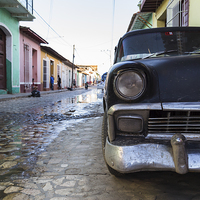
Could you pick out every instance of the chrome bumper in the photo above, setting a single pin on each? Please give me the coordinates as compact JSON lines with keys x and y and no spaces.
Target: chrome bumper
{"x":154,"y":155}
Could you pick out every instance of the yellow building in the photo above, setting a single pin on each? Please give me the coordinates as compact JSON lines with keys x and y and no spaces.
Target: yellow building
{"x":52,"y":63}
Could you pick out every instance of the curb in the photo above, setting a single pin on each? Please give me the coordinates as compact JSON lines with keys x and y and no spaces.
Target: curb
{"x":25,"y":95}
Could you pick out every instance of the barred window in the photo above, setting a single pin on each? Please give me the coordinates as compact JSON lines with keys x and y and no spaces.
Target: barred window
{"x":59,"y":70}
{"x":177,"y":13}
{"x":46,"y":74}
{"x":26,"y":64}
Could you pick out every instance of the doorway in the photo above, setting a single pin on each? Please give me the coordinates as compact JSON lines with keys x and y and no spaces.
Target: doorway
{"x":2,"y":60}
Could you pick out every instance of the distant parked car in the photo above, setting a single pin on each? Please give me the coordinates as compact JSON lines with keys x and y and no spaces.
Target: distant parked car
{"x":152,"y":102}
{"x":103,"y":77}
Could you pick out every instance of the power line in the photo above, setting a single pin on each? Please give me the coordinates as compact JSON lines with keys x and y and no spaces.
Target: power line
{"x":51,"y":27}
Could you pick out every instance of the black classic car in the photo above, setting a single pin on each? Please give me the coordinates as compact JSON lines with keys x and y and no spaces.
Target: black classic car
{"x":152,"y":102}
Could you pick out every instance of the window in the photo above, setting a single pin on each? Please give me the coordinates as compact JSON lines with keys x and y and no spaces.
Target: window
{"x":185,"y":14}
{"x":45,"y":74}
{"x":59,"y":70}
{"x":160,"y":43}
{"x":26,"y":64}
{"x":177,"y":13}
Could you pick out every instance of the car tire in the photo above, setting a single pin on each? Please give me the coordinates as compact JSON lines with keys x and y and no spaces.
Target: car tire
{"x":103,"y":138}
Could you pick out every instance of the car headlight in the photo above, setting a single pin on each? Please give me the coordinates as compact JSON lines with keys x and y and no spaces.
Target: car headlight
{"x":129,"y":85}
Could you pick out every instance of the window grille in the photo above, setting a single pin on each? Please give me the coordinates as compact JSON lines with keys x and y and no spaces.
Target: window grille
{"x":45,"y":74}
{"x":26,"y":65}
{"x":58,"y":70}
{"x":177,"y":13}
{"x":185,"y":14}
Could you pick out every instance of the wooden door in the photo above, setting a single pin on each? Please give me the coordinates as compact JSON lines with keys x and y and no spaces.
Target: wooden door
{"x":2,"y":60}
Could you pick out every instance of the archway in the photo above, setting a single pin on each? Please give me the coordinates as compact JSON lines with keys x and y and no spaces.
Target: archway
{"x":7,"y":73}
{"x":2,"y":60}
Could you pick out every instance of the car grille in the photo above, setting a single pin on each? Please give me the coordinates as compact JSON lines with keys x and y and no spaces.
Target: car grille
{"x":174,"y":122}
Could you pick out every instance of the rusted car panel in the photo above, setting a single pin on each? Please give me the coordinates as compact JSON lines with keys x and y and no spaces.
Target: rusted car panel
{"x":152,"y":102}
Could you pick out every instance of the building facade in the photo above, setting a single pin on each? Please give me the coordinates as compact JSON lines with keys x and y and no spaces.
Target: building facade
{"x":165,"y":13}
{"x":54,"y":64}
{"x":30,"y":59}
{"x":11,"y":12}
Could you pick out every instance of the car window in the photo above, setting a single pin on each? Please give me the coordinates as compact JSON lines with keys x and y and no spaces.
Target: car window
{"x":170,"y":43}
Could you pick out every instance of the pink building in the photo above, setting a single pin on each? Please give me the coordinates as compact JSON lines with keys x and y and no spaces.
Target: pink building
{"x":30,"y":59}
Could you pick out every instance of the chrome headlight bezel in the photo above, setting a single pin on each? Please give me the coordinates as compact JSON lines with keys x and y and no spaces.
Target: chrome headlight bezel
{"x":123,"y":96}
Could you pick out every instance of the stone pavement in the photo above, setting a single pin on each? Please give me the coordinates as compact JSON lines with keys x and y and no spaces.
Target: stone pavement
{"x":72,"y":167}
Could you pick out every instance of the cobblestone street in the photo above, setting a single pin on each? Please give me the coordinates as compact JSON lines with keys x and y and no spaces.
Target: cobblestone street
{"x":50,"y":148}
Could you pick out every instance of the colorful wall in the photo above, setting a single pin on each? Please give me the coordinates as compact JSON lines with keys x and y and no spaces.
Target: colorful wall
{"x":52,"y":69}
{"x":10,"y":27}
{"x":34,"y":64}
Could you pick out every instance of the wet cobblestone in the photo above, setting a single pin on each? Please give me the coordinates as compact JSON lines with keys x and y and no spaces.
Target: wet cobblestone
{"x":28,"y":125}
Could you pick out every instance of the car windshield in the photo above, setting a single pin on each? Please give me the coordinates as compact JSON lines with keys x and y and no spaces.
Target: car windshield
{"x":159,"y":44}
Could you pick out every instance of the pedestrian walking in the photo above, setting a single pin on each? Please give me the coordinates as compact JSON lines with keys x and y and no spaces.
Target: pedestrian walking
{"x":33,"y":85}
{"x":74,"y":83}
{"x":59,"y":82}
{"x":52,"y":82}
{"x":86,"y":85}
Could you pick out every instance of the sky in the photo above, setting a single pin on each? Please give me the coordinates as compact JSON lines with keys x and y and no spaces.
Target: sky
{"x":92,"y":26}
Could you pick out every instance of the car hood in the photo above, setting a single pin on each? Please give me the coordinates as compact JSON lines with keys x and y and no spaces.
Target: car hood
{"x":178,"y":77}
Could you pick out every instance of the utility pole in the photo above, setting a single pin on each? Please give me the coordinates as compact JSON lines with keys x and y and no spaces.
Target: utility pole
{"x":73,"y":66}
{"x":113,"y":23}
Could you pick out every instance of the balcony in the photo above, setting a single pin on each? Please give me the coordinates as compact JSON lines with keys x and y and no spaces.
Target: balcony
{"x":22,"y":10}
{"x":150,"y":5}
{"x":139,"y":20}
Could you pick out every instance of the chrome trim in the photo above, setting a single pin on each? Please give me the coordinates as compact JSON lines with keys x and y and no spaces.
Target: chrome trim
{"x":182,"y":106}
{"x":135,"y":106}
{"x":152,"y":157}
{"x":168,"y":136}
{"x":179,"y":153}
{"x":111,"y":129}
{"x":192,"y":106}
{"x":127,"y":107}
{"x":176,"y":121}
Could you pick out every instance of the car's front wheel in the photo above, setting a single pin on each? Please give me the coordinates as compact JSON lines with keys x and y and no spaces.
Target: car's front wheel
{"x":103,"y":138}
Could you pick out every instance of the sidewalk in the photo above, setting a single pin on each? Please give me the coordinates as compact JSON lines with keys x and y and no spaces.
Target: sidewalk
{"x":4,"y":97}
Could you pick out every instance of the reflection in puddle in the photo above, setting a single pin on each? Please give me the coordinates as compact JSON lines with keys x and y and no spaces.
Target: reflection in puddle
{"x":21,"y":145}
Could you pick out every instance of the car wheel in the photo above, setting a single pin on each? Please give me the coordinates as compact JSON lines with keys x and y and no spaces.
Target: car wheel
{"x":103,"y":138}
